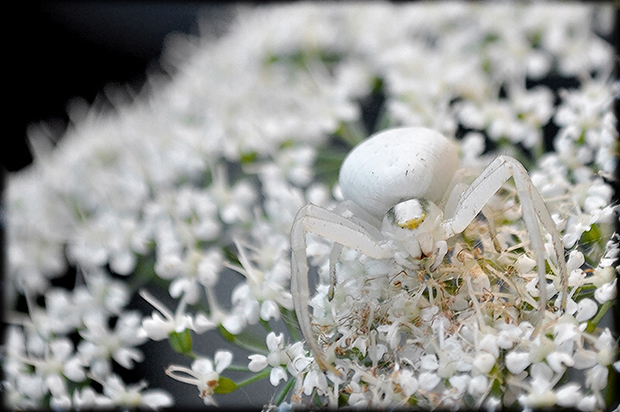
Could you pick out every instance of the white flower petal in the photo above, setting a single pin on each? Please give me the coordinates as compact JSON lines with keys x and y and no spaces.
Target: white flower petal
{"x":155,"y":399}
{"x":584,"y":358}
{"x":233,"y":324}
{"x":429,"y":363}
{"x":74,"y":370}
{"x":203,"y":366}
{"x":274,"y":342}
{"x":587,"y":403}
{"x":222,"y":360}
{"x":156,"y":328}
{"x":517,"y":362}
{"x":408,"y":383}
{"x":277,"y":374}
{"x":559,"y":361}
{"x":596,"y":378}
{"x":586,"y":309}
{"x":257,"y":363}
{"x":202,"y":323}
{"x":484,"y":362}
{"x":428,"y":381}
{"x":569,"y":395}
{"x":606,"y":292}
{"x":315,"y":379}
{"x":489,"y":344}
{"x":269,"y":309}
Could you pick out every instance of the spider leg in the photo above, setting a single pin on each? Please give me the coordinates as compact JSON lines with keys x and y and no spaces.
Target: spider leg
{"x":330,"y":225}
{"x":451,"y":198}
{"x":351,"y":211}
{"x":527,"y":187}
{"x":333,"y":258}
{"x":478,"y":194}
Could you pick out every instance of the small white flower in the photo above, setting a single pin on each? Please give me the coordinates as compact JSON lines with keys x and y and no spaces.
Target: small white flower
{"x":586,"y":309}
{"x":559,"y":361}
{"x":280,"y":356}
{"x":87,"y":398}
{"x":606,"y":292}
{"x":119,"y":344}
{"x":569,"y":395}
{"x":134,"y":395}
{"x":203,"y":374}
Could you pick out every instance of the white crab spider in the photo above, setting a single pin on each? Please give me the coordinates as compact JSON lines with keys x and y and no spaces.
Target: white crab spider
{"x":403,"y":184}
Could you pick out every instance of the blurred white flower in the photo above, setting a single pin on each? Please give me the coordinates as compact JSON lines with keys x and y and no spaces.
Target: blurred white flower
{"x":119,"y":344}
{"x":157,"y":327}
{"x":132,"y":396}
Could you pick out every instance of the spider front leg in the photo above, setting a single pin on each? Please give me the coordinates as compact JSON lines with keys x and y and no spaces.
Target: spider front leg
{"x":332,"y":226}
{"x":478,"y":194}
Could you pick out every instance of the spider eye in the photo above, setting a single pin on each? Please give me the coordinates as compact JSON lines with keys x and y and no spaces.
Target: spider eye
{"x":408,"y":214}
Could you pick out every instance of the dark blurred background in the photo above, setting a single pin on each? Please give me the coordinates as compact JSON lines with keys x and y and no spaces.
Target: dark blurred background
{"x":58,"y":50}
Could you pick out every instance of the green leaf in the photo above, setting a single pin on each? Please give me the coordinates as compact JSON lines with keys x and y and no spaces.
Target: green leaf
{"x":249,"y":157}
{"x":181,"y":342}
{"x":224,"y":385}
{"x":593,"y":235}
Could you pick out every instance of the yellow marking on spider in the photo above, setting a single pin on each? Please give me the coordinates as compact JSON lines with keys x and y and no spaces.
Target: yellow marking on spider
{"x":412,"y":223}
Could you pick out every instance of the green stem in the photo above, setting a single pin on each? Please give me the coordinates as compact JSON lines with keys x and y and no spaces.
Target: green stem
{"x":290,"y":320}
{"x":254,"y":378}
{"x":284,"y":392}
{"x":242,"y":343}
{"x":265,"y":325}
{"x":596,"y":319}
{"x":238,"y":368}
{"x":251,"y":348}
{"x":194,"y":355}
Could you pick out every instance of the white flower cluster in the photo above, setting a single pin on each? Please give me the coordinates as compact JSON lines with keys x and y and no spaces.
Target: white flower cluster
{"x":198,"y":179}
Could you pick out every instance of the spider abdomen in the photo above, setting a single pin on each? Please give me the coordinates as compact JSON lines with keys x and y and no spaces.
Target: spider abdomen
{"x":397,"y":165}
